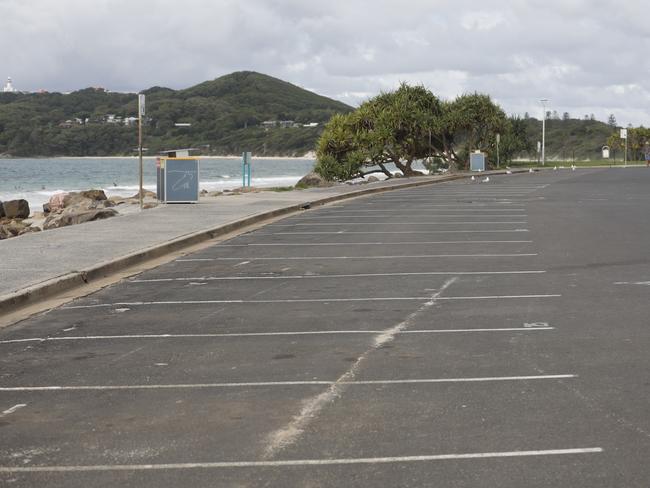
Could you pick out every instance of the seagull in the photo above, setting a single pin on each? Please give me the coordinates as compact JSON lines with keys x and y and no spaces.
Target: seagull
{"x":530,"y":170}
{"x":554,"y":168}
{"x":472,"y":178}
{"x":573,"y":167}
{"x":485,"y":180}
{"x":508,"y":172}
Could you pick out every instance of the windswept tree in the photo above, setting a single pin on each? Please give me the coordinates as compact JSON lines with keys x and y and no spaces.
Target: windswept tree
{"x":472,"y":122}
{"x":398,"y":127}
{"x":407,"y":125}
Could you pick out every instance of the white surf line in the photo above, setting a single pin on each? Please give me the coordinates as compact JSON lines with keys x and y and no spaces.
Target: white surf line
{"x":226,"y":335}
{"x":309,"y":258}
{"x":11,"y":410}
{"x":396,"y":243}
{"x":303,"y":300}
{"x":353,"y":275}
{"x":299,"y":462}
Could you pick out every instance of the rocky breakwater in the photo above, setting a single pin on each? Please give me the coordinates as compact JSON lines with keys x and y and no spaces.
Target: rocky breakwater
{"x":13,"y":215}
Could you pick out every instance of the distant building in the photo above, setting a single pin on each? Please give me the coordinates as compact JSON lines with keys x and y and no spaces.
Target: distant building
{"x":311,"y":124}
{"x":267,"y":124}
{"x":9,"y":87}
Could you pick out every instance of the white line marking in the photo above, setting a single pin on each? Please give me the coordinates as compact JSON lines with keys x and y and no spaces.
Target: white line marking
{"x":642,"y":283}
{"x":398,"y":223}
{"x":394,"y":232}
{"x":396,"y":243}
{"x":300,"y":462}
{"x":485,"y":379}
{"x":313,"y":276}
{"x":402,"y":214}
{"x":311,"y":408}
{"x":11,"y":410}
{"x":413,"y":256}
{"x":526,"y":328}
{"x":305,"y":300}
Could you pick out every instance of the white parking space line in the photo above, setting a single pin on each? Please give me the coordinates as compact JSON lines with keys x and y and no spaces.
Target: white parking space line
{"x":13,"y":409}
{"x":304,"y":300}
{"x":467,"y":210}
{"x":484,"y":379}
{"x":269,"y":334}
{"x":511,"y":222}
{"x":505,"y":206}
{"x":313,"y":258}
{"x":396,"y":243}
{"x":402,"y":232}
{"x":354,"y":275}
{"x":300,"y":462}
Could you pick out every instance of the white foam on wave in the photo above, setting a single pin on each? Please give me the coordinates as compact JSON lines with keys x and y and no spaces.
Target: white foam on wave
{"x":36,"y":198}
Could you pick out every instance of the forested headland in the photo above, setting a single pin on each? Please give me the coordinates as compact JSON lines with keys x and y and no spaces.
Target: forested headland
{"x":226,"y":116}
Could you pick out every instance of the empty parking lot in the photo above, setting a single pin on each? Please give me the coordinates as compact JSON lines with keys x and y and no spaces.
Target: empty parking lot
{"x":458,"y":334}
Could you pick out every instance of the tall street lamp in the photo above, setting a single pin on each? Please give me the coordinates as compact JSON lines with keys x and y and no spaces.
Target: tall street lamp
{"x":544,"y":101}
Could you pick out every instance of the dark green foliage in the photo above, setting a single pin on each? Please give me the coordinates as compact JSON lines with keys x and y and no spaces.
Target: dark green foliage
{"x":225,"y":115}
{"x":395,"y":127}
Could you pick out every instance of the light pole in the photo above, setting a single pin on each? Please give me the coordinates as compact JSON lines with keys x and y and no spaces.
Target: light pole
{"x":544,"y":101}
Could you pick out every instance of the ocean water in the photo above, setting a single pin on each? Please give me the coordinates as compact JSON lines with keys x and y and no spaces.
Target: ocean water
{"x":36,"y":180}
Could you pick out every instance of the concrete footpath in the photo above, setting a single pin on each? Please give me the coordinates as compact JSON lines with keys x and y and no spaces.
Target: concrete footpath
{"x":41,"y":265}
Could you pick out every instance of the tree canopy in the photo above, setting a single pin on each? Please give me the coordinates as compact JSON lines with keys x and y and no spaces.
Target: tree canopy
{"x":411,"y":124}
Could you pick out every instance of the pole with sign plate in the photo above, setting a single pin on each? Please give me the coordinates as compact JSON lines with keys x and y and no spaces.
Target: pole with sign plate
{"x":498,"y":140}
{"x":140,"y":116}
{"x":624,"y":136}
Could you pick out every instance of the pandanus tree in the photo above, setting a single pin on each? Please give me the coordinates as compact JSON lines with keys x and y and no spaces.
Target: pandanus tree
{"x":407,"y":125}
{"x":396,"y":127}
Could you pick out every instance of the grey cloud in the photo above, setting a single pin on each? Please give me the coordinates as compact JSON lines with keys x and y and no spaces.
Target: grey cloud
{"x":585,"y":55}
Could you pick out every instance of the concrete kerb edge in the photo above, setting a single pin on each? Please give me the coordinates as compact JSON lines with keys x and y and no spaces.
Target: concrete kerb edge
{"x":28,"y":296}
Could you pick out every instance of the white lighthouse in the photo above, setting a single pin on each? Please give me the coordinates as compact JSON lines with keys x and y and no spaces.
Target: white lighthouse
{"x":9,"y":87}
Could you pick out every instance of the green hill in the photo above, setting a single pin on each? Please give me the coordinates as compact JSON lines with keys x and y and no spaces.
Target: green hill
{"x":226,"y":116}
{"x":571,"y":139}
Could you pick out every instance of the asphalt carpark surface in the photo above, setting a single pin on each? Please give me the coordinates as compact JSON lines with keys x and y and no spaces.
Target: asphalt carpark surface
{"x":459,"y":334}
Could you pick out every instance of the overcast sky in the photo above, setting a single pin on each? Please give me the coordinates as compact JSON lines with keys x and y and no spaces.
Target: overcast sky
{"x":585,"y":56}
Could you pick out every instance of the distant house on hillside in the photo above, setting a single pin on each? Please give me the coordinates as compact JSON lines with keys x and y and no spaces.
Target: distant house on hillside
{"x":269,"y":124}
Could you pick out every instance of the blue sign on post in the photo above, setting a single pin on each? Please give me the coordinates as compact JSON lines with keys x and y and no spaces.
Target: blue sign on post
{"x":246,"y":168}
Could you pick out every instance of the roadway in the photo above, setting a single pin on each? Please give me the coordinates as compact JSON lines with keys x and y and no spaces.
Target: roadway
{"x":462,"y":334}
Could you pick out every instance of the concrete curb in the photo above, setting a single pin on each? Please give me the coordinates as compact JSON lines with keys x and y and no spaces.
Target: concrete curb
{"x":47,"y":289}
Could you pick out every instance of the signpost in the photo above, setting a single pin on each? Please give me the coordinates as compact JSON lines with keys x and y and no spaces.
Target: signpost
{"x":624,"y":136}
{"x":140,"y":116}
{"x":498,"y":140}
{"x":246,"y":168}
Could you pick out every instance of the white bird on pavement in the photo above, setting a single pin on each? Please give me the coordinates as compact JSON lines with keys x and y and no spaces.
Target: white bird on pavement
{"x":573,"y":167}
{"x":472,"y":178}
{"x":508,"y":172}
{"x":530,"y":170}
{"x":554,"y":168}
{"x":485,"y":180}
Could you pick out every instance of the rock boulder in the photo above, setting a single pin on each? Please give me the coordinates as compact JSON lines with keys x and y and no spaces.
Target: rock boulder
{"x":2,"y":210}
{"x":64,"y":219}
{"x":312,"y":180}
{"x":16,"y":209}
